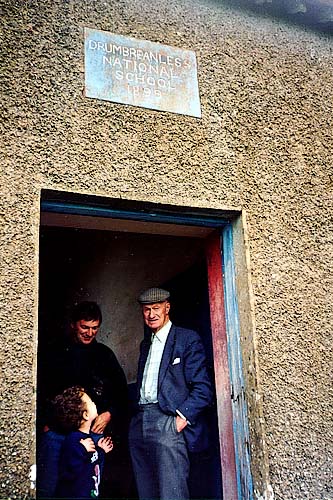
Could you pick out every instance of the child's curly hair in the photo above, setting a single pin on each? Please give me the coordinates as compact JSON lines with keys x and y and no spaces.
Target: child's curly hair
{"x":68,"y":408}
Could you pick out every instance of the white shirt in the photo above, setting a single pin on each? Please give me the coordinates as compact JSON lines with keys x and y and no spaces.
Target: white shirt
{"x":149,"y":387}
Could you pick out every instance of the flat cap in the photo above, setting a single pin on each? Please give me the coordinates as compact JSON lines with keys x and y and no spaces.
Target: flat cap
{"x":153,"y":295}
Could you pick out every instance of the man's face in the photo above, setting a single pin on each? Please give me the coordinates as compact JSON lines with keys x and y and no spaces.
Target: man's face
{"x":156,"y":315}
{"x":85,"y":331}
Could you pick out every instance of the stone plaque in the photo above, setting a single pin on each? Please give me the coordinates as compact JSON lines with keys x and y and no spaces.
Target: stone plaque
{"x":140,"y":73}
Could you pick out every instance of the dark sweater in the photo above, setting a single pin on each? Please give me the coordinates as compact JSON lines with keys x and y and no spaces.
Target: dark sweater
{"x":79,"y":470}
{"x":95,"y":368}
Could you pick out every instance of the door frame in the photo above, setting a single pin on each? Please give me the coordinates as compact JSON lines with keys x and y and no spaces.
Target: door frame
{"x":223,"y":310}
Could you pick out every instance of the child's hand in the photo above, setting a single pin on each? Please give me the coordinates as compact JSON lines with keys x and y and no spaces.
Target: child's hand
{"x":88,"y":443}
{"x":106,"y":444}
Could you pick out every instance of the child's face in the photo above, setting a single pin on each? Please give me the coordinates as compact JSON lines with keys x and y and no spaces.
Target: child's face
{"x":90,"y":412}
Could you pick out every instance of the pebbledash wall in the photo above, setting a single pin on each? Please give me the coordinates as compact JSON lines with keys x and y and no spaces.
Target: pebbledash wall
{"x":263,"y":145}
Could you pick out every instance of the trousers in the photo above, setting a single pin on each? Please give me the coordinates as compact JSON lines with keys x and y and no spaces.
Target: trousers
{"x":48,"y":454}
{"x":159,"y":455}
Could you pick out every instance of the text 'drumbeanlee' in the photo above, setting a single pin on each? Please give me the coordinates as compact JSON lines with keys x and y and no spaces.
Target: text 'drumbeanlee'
{"x":141,"y":73}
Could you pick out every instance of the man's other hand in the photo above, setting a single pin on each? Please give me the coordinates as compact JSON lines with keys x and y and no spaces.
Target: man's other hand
{"x":181,"y":423}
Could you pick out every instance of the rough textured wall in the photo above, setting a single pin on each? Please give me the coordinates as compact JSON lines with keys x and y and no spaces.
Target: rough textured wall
{"x":264,"y":144}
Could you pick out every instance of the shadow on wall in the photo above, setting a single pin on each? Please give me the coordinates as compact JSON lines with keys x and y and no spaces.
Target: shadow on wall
{"x":315,"y":14}
{"x":110,"y":268}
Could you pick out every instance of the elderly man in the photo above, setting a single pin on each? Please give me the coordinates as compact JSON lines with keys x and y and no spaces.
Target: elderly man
{"x":173,"y":389}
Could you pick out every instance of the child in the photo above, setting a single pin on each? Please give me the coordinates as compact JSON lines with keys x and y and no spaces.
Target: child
{"x":79,"y":467}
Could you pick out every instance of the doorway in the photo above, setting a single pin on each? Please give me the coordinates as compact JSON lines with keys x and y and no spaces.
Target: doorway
{"x":84,"y":256}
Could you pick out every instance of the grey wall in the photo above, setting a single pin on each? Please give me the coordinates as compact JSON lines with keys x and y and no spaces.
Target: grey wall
{"x":112,"y":269}
{"x":264,"y":144}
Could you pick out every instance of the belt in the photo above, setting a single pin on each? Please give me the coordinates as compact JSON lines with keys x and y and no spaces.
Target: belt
{"x":147,"y":406}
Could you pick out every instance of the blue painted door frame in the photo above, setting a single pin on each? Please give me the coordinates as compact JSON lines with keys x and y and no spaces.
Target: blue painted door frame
{"x":239,"y":407}
{"x":224,"y":226}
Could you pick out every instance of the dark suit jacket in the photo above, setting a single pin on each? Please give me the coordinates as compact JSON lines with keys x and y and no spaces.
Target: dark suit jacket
{"x":183,"y":382}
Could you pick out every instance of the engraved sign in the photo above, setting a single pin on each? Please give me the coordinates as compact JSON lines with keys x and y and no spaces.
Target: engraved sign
{"x":140,"y":73}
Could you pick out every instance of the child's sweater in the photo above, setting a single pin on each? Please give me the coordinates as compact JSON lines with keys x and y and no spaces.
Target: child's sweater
{"x":79,"y":470}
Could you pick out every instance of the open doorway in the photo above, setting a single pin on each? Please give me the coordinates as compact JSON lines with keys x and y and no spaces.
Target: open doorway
{"x":111,"y":268}
{"x":99,"y":255}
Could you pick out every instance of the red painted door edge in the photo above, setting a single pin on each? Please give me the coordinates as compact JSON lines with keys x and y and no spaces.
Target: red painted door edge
{"x":221,"y":367}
